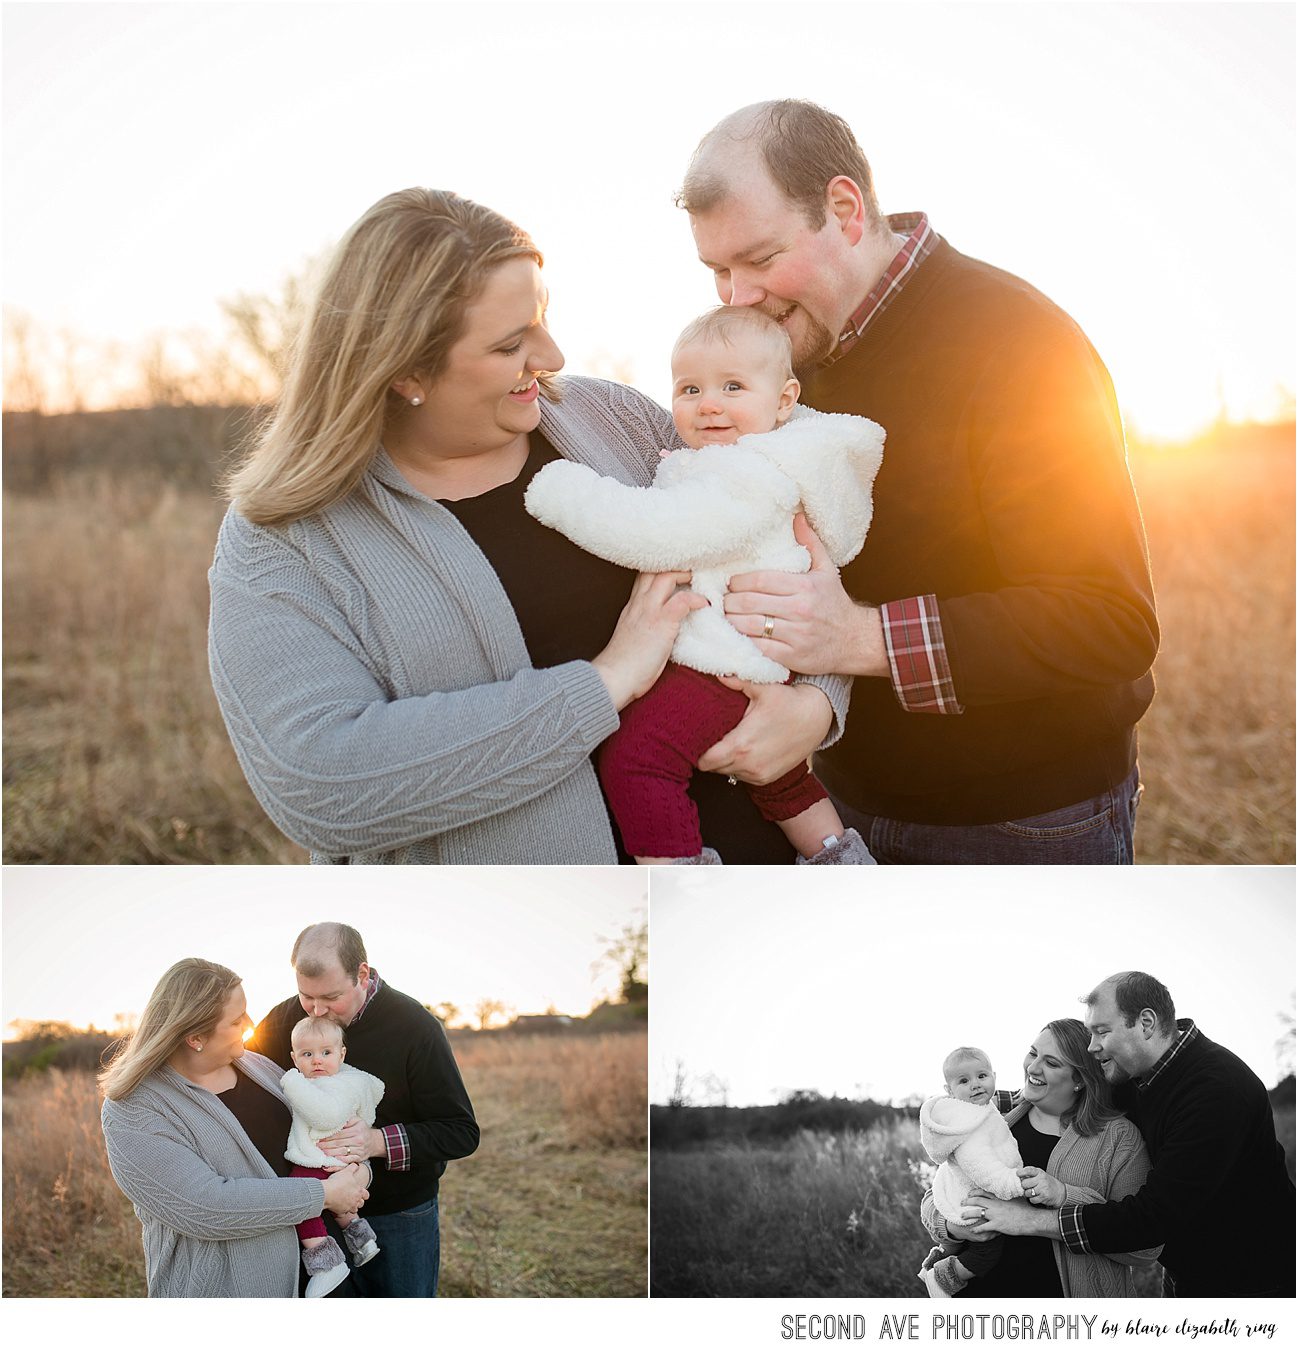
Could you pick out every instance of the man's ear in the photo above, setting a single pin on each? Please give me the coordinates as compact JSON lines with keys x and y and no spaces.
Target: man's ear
{"x":845,"y":203}
{"x":788,"y":401}
{"x":363,"y":971}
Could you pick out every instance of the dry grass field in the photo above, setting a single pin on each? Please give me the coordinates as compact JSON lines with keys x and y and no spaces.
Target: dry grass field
{"x":115,"y":751}
{"x":552,"y":1204}
{"x":822,"y":1214}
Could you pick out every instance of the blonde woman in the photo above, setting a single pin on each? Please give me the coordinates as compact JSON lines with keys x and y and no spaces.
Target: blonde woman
{"x":412,"y":669}
{"x":195,"y":1130}
{"x":1076,"y":1145}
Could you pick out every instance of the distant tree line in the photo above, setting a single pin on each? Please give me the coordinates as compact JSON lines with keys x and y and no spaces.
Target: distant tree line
{"x":679,"y":1126}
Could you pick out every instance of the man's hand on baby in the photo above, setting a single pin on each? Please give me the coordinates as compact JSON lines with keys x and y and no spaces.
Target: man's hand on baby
{"x":353,"y":1142}
{"x":806,"y":621}
{"x":983,"y":1211}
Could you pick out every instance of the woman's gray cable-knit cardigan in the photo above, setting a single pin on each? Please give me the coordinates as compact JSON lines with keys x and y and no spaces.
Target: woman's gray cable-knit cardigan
{"x":375,"y":682}
{"x":217,"y":1220}
{"x":1111,"y":1164}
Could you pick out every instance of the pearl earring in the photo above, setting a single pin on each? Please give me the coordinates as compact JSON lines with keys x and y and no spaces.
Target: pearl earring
{"x":416,"y":401}
{"x":198,"y":1046}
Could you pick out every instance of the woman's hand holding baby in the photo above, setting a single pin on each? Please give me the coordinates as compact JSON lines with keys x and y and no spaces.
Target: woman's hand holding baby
{"x":646,"y":630}
{"x":782,"y":726}
{"x":346,"y":1191}
{"x":1040,"y":1188}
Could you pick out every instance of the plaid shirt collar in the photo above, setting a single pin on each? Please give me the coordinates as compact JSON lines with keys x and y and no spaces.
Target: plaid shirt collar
{"x":921,"y":240}
{"x":1188,"y":1034}
{"x":372,"y":987}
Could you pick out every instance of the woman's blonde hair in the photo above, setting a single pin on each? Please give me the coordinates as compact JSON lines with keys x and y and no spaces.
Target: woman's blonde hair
{"x":392,"y":304}
{"x":187,"y":1002}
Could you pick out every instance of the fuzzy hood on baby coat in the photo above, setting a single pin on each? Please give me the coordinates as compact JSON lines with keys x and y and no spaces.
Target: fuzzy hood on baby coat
{"x":724,"y":510}
{"x":320,"y":1106}
{"x":972,"y":1147}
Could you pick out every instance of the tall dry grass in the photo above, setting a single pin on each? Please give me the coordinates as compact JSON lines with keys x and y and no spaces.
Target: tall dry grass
{"x":114,"y":747}
{"x":823,"y":1214}
{"x":67,"y":1229}
{"x":551,"y":1204}
{"x":115,"y":752}
{"x":1217,"y":747}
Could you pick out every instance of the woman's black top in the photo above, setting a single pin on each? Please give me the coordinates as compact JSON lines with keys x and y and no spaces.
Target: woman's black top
{"x":567,"y":603}
{"x":263,"y":1117}
{"x":1027,"y":1264}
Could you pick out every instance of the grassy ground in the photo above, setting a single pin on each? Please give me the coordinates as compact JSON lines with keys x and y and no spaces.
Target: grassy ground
{"x":552,"y":1204}
{"x":115,"y":751}
{"x":822,"y":1214}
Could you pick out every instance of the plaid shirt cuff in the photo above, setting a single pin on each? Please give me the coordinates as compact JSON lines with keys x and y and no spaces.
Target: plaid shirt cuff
{"x":398,"y":1144}
{"x":921,"y":675}
{"x":1071,"y":1229}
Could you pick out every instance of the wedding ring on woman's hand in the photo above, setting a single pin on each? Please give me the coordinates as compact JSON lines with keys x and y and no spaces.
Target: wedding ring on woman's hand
{"x":769,"y":627}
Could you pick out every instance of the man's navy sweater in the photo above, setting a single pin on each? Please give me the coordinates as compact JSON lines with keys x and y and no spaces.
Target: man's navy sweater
{"x":1218,"y":1198}
{"x":1004,"y":492}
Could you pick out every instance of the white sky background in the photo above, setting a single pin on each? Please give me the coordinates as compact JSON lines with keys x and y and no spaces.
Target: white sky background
{"x":1134,"y":161}
{"x":862,"y":989}
{"x":82,"y":945}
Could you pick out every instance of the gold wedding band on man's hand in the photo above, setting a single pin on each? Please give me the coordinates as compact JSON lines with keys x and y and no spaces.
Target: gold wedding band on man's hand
{"x":769,"y":627}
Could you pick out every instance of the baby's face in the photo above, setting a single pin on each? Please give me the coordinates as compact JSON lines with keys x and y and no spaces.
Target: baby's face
{"x":315,"y":1056}
{"x":971,"y":1080}
{"x":722,"y":391}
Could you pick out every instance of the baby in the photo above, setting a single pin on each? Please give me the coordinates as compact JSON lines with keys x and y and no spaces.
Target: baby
{"x":324,"y":1094}
{"x":722,"y":507}
{"x":967,"y":1139}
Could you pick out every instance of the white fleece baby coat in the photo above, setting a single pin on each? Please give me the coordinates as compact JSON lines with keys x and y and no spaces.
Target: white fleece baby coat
{"x":320,"y":1106}
{"x":724,"y":510}
{"x":972,"y":1147}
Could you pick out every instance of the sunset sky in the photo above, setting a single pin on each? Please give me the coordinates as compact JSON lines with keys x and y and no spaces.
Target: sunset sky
{"x":1134,"y":161}
{"x":82,"y":945}
{"x":861,"y":989}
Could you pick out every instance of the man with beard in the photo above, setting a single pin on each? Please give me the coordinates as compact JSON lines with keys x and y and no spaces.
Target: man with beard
{"x":424,"y":1119}
{"x":1000,"y":619}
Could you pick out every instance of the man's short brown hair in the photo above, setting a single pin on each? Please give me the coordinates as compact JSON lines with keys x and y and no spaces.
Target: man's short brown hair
{"x":1136,"y":991}
{"x":338,"y":940}
{"x":803,"y":146}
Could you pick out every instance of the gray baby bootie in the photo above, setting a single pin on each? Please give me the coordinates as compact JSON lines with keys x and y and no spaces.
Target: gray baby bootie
{"x":848,"y":848}
{"x":709,"y":856}
{"x":941,"y":1274}
{"x":362,"y":1243}
{"x":326,"y":1267}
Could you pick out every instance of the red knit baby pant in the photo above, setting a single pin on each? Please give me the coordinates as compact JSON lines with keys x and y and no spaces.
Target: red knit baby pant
{"x":647,"y":764}
{"x":313,"y":1227}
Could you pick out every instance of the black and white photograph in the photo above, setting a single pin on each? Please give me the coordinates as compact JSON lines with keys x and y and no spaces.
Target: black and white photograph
{"x":951,"y":1088}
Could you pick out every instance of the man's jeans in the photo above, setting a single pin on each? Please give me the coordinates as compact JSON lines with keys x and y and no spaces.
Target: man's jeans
{"x":1097,"y":831}
{"x":410,"y":1254}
